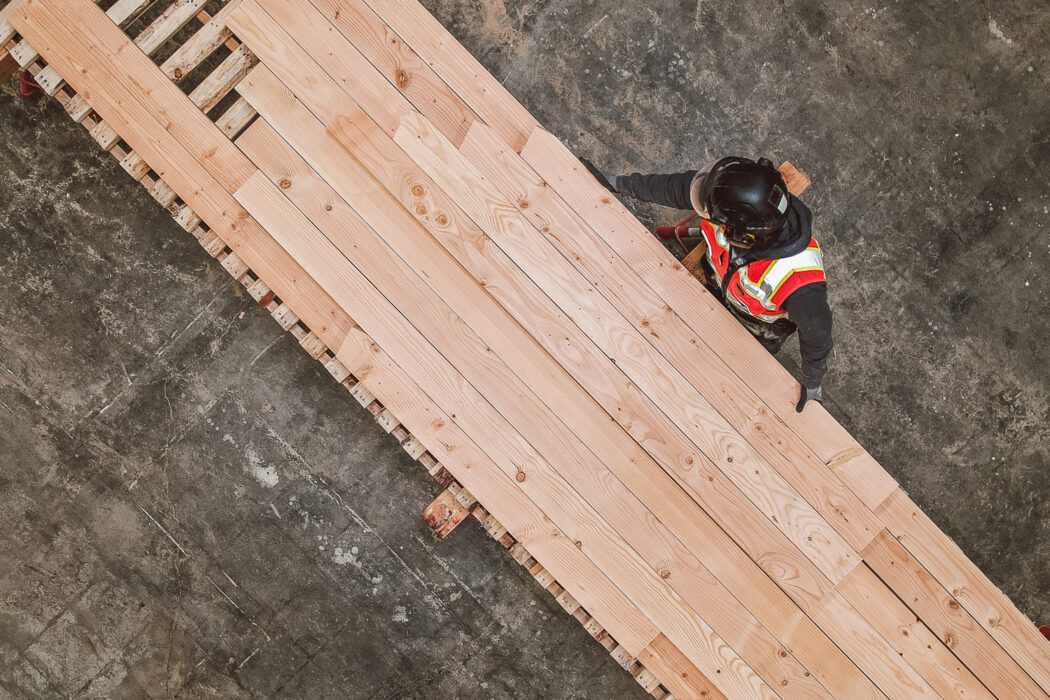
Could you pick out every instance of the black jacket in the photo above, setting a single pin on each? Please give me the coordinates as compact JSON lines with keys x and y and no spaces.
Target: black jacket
{"x":807,"y":307}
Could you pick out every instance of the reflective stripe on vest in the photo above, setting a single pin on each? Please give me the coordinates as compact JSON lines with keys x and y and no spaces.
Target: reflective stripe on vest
{"x":759,"y":288}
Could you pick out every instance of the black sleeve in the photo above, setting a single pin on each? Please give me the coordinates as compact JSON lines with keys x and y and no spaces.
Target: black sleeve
{"x":665,"y":190}
{"x":808,"y":309}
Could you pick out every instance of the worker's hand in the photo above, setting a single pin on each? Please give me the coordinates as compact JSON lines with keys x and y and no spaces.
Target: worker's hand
{"x":607,"y":179}
{"x":807,"y":394}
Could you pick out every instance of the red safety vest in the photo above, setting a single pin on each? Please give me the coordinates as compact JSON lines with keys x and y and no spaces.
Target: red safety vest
{"x":758,"y":289}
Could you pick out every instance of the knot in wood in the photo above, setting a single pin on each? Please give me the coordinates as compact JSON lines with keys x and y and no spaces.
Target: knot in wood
{"x":953,"y":605}
{"x":285,"y":183}
{"x":178,"y":74}
{"x":418,"y":190}
{"x":520,"y":477}
{"x":421,"y":210}
{"x":665,"y":573}
{"x":442,"y":220}
{"x":402,"y":79}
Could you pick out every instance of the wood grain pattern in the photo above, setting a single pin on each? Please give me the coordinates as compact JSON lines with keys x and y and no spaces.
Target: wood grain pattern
{"x":512,"y":508}
{"x":968,"y":585}
{"x":461,"y":71}
{"x":955,"y":628}
{"x":680,"y":568}
{"x":456,"y":394}
{"x":396,"y":62}
{"x":824,"y":489}
{"x":688,"y":409}
{"x":680,"y":676}
{"x":789,"y":512}
{"x":677,"y":288}
{"x":84,"y":69}
{"x":910,"y":637}
{"x":682,"y":348}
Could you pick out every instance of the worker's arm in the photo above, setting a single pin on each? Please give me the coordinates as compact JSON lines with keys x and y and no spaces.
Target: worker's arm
{"x":807,"y":307}
{"x":665,"y":190}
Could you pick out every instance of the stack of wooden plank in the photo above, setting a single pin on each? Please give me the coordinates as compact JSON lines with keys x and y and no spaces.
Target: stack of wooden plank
{"x":634,"y":440}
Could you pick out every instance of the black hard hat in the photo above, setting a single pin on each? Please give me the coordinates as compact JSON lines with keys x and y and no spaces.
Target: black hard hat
{"x":748,"y":198}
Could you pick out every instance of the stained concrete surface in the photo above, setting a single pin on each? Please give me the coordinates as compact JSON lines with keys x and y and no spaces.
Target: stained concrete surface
{"x":150,"y":434}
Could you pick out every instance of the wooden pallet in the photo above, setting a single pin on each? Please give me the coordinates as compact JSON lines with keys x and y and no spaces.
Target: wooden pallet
{"x":731,"y":546}
{"x":455,"y":504}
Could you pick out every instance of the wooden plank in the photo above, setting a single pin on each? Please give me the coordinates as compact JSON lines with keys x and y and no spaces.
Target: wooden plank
{"x":360,"y":145}
{"x":339,"y":112}
{"x":939,"y":610}
{"x":968,"y":585}
{"x":911,"y":638}
{"x":411,"y":350}
{"x":394,"y":60}
{"x":795,"y":179}
{"x":444,"y":513}
{"x":236,"y":118}
{"x":182,"y":171}
{"x":705,"y":315}
{"x":8,"y":67}
{"x":119,"y":12}
{"x":291,"y":16}
{"x":676,"y":672}
{"x":128,"y":64}
{"x":289,"y":116}
{"x":681,"y":350}
{"x":326,"y":208}
{"x":174,"y":18}
{"x":831,"y":441}
{"x":461,"y":71}
{"x":479,"y":473}
{"x":629,"y":350}
{"x":222,"y":80}
{"x":7,"y":32}
{"x":287,"y":111}
{"x":576,"y":569}
{"x":206,"y":40}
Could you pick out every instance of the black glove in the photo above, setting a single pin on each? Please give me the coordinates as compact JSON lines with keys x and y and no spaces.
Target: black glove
{"x":606,"y":179}
{"x":807,"y":394}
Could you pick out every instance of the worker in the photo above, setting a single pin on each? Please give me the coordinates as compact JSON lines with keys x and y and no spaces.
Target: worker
{"x":761,"y":260}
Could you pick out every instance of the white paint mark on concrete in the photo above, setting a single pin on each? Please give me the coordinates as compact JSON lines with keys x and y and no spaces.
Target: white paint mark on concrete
{"x":267,"y":476}
{"x":993,"y":27}
{"x":249,"y":658}
{"x":595,"y":26}
{"x":343,"y":558}
{"x":400,"y":614}
{"x":168,"y":534}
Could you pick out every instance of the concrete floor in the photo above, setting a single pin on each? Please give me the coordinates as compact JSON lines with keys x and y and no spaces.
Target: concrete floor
{"x":152,"y":417}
